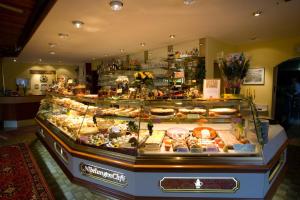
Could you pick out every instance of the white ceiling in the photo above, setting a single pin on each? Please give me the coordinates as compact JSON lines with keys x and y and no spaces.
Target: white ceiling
{"x":152,"y":21}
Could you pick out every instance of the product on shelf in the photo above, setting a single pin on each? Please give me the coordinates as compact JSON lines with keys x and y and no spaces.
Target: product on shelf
{"x":222,"y":111}
{"x":162,"y":111}
{"x":88,"y":130}
{"x":204,"y":132}
{"x":228,"y":139}
{"x":96,"y":140}
{"x":211,"y":148}
{"x":117,"y":130}
{"x":244,"y":147}
{"x":154,"y":141}
{"x":104,"y":124}
{"x":91,"y":96}
{"x":122,"y":112}
{"x":192,"y":110}
{"x":177,"y":133}
{"x":168,"y":144}
{"x":125,"y":141}
{"x":180,"y":146}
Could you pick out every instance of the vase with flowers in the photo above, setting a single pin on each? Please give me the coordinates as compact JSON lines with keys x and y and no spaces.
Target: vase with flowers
{"x":233,"y":70}
{"x":143,"y":82}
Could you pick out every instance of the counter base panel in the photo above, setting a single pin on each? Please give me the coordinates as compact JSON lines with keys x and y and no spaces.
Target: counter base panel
{"x":18,"y":123}
{"x":145,"y":185}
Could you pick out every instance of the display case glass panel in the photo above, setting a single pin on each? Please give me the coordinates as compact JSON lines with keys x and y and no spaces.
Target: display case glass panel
{"x":186,"y":127}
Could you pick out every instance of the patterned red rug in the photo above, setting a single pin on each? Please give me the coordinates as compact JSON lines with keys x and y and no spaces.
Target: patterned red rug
{"x":20,"y":177}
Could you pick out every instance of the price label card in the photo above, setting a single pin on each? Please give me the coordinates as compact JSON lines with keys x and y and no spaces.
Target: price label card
{"x":211,"y":88}
{"x":193,"y":116}
{"x":119,"y":91}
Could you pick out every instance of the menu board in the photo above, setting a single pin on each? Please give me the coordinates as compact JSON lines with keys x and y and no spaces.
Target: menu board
{"x":211,"y":88}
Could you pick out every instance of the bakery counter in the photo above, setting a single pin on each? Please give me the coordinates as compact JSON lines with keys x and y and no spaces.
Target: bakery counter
{"x":169,"y":177}
{"x":19,"y":111}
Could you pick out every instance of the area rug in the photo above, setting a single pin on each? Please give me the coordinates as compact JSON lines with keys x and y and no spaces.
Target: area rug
{"x":20,"y":177}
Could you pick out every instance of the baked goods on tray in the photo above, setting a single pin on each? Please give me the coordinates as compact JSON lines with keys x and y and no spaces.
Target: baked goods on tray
{"x":204,"y":132}
{"x":162,"y":111}
{"x":177,"y":133}
{"x":180,"y":146}
{"x":153,"y":143}
{"x":222,"y":111}
{"x":88,"y":130}
{"x":192,"y":110}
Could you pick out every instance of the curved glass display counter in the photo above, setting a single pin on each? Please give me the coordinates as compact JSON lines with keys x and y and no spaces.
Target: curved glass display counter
{"x":192,"y":148}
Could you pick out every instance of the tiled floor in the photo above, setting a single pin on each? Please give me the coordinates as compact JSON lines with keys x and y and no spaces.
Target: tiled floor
{"x":60,"y":185}
{"x":62,"y":188}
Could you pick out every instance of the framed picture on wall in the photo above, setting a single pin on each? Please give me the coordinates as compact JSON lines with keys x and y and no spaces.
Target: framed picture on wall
{"x":255,"y":76}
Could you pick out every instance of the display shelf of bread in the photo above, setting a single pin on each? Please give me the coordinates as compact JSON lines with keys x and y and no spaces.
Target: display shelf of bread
{"x":74,"y":105}
{"x":115,"y":124}
{"x":105,"y":133}
{"x":222,"y":112}
{"x":120,"y":112}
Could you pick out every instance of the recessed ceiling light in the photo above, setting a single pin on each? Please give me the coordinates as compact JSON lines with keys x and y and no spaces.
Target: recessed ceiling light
{"x":77,"y":23}
{"x":52,"y":45}
{"x":188,"y":2}
{"x":142,"y":44}
{"x":15,"y":60}
{"x":257,"y":13}
{"x":52,"y":52}
{"x":122,"y":50}
{"x":201,"y":44}
{"x":63,"y":35}
{"x":172,"y":36}
{"x":116,"y":5}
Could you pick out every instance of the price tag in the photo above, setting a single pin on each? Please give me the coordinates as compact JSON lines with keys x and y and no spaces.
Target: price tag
{"x":193,"y":116}
{"x":119,"y":91}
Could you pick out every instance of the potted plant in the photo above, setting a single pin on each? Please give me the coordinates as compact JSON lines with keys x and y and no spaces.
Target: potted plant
{"x":233,"y":70}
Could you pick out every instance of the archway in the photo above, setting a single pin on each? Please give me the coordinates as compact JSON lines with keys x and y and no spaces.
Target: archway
{"x":286,"y":100}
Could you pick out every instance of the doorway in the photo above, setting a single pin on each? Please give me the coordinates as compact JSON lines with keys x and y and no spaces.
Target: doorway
{"x":286,"y":96}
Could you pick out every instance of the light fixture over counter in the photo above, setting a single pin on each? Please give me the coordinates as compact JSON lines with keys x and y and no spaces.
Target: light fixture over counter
{"x":77,"y":23}
{"x":116,"y":5}
{"x":257,"y":13}
{"x":188,"y":2}
{"x":63,"y":35}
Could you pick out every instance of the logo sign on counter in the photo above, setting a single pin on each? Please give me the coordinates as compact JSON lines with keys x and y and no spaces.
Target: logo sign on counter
{"x":199,"y":184}
{"x":42,"y":71}
{"x":103,"y":174}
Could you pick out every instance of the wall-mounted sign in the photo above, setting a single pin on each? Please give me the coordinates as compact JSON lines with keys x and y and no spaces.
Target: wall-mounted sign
{"x":43,"y":79}
{"x":106,"y":175}
{"x":42,"y":71}
{"x":199,"y":184}
{"x":211,"y":88}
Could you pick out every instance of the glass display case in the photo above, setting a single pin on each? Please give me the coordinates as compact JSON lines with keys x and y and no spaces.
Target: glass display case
{"x":141,"y":128}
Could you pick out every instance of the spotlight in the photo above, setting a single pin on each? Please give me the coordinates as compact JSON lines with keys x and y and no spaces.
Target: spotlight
{"x":116,"y":5}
